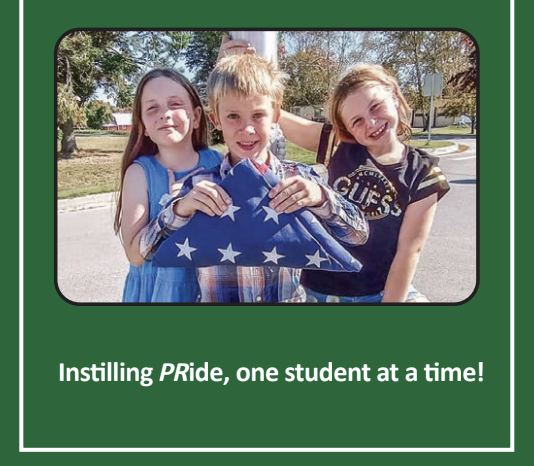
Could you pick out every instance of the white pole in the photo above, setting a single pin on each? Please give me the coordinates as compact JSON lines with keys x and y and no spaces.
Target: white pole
{"x":431,"y":113}
{"x":430,"y":116}
{"x":265,"y":42}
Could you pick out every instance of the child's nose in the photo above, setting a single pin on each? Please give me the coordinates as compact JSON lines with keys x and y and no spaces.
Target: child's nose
{"x":166,"y":113}
{"x":249,"y":129}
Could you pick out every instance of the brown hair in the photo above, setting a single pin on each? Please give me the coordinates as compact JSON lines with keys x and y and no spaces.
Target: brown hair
{"x":140,"y":144}
{"x":358,"y":77}
{"x":246,"y":75}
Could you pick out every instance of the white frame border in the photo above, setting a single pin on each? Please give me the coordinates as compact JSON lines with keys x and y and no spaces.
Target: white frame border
{"x":21,"y":296}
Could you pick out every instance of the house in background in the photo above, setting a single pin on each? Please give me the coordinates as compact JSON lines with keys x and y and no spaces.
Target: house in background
{"x":310,"y":112}
{"x":121,"y":122}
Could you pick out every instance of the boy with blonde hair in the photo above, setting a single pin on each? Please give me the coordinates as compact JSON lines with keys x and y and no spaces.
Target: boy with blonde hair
{"x":245,"y":94}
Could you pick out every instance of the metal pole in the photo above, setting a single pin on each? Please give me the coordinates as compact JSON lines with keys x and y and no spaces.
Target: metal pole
{"x":430,"y":116}
{"x":431,"y":113}
{"x":265,"y":42}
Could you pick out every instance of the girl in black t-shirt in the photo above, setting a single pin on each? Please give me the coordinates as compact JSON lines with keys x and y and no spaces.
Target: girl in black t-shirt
{"x":397,"y":187}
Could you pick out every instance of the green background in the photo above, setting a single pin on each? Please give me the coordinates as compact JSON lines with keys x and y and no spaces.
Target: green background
{"x":292,"y":415}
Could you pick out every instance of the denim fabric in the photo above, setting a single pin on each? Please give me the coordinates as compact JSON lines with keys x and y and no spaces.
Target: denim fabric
{"x":315,"y":297}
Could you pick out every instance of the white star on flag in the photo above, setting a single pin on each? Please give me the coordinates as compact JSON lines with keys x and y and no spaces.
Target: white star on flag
{"x":271,"y":214}
{"x":185,"y":249}
{"x":228,"y":254}
{"x":232,"y":209}
{"x":316,"y":259}
{"x":272,"y":256}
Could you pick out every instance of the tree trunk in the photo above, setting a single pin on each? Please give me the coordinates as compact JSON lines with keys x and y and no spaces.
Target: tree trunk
{"x":68,"y":142}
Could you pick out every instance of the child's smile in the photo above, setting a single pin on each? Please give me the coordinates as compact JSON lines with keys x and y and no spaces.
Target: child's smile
{"x":246,"y":124}
{"x":167,"y":113}
{"x":370,"y":115}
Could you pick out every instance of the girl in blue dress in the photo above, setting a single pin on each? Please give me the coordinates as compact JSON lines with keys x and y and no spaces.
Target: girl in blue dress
{"x":167,"y":144}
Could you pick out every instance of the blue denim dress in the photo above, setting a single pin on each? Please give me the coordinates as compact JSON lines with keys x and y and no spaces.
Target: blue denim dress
{"x":148,"y":283}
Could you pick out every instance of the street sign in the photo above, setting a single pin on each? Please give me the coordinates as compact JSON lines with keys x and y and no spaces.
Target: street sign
{"x":433,"y":84}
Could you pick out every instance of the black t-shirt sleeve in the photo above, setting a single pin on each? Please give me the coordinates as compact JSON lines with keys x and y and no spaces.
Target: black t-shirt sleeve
{"x":430,"y":179}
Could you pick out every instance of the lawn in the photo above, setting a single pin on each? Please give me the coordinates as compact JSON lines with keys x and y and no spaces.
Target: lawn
{"x":96,"y":167}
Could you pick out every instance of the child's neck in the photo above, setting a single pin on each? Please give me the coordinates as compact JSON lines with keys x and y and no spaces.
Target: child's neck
{"x":262,"y":158}
{"x":178,"y":159}
{"x":389,"y":155}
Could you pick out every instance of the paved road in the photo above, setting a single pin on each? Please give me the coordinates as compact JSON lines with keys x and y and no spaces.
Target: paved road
{"x":448,"y":266}
{"x":92,"y":265}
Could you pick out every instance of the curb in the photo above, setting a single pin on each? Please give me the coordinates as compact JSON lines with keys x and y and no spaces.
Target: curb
{"x":443,"y":150}
{"x":93,"y":201}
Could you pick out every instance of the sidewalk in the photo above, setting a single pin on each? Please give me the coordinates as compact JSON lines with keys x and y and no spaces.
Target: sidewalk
{"x":94,"y":201}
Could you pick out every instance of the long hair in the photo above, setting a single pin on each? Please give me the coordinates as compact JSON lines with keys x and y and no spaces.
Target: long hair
{"x":358,"y":77}
{"x":140,"y":144}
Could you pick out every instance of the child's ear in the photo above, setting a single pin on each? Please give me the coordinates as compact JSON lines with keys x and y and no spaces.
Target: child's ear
{"x":277,"y":114}
{"x":197,"y":115}
{"x":213,"y":118}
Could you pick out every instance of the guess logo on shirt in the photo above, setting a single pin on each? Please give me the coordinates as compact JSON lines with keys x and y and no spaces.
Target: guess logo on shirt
{"x":371,"y":191}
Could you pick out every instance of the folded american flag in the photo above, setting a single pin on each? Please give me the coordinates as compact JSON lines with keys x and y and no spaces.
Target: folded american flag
{"x":250,"y":233}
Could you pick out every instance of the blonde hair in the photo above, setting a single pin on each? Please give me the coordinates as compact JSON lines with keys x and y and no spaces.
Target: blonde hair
{"x":358,"y":77}
{"x":247,"y":76}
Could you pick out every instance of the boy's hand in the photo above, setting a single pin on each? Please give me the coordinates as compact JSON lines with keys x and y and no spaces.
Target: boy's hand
{"x":234,"y":47}
{"x":207,"y":197}
{"x":293,"y":193}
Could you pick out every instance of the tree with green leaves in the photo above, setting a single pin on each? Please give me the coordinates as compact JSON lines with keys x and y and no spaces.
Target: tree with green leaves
{"x":201,"y":57}
{"x":112,"y":61}
{"x":411,"y":55}
{"x":463,"y":103}
{"x":85,"y":60}
{"x":464,"y":84}
{"x":97,"y":113}
{"x":307,"y":84}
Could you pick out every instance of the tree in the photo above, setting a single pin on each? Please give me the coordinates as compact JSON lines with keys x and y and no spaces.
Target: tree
{"x":411,"y":55}
{"x":462,"y":104}
{"x":86,"y":59}
{"x":340,"y":49}
{"x":464,"y":84}
{"x":97,"y":113}
{"x":308,"y":83}
{"x":111,"y":60}
{"x":466,"y":80}
{"x":201,"y":56}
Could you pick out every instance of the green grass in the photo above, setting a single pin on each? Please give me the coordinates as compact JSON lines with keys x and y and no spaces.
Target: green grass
{"x":445,"y":131}
{"x":95,"y":169}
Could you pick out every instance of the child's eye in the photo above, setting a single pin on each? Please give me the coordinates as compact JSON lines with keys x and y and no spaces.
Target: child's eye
{"x":152,"y":107}
{"x":232,"y":116}
{"x":259,"y":115}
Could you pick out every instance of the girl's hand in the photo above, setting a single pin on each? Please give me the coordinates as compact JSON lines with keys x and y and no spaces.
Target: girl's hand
{"x":291,"y":194}
{"x":234,"y":47}
{"x":207,"y":197}
{"x":175,"y":186}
